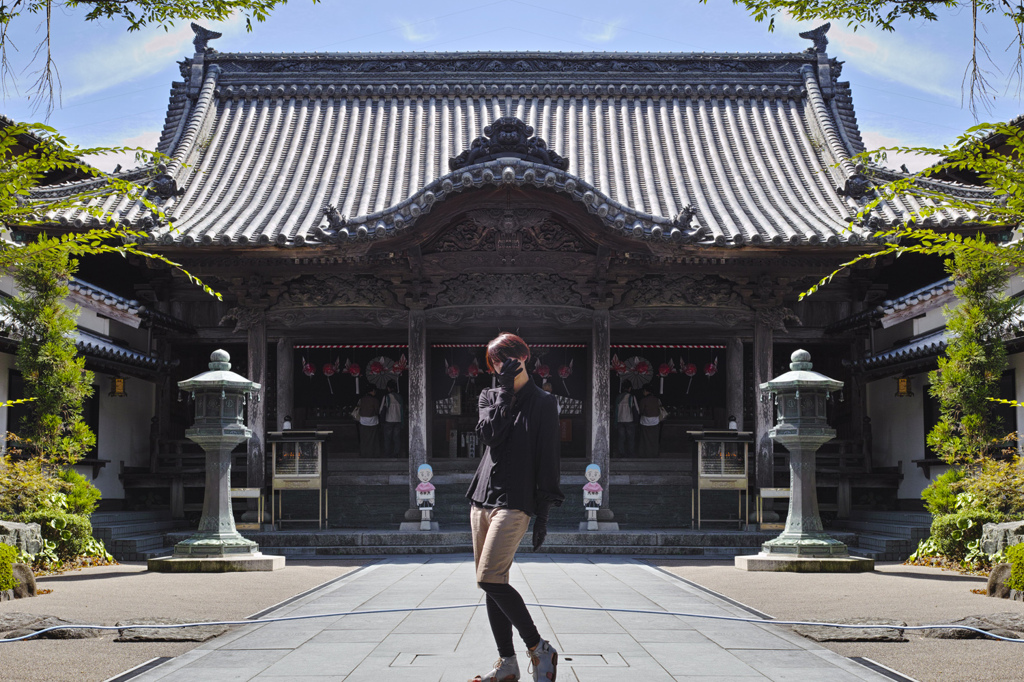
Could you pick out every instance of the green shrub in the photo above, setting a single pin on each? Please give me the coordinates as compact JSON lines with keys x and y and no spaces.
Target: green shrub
{"x":940,"y":497}
{"x":8,"y":554}
{"x":25,"y":486}
{"x":953,"y":533}
{"x":71,"y":533}
{"x":1015,"y":555}
{"x":82,"y":496}
{"x":998,"y":485}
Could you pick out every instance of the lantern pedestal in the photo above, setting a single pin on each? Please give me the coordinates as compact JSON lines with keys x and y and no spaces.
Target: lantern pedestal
{"x":802,"y":428}
{"x":217,"y":546}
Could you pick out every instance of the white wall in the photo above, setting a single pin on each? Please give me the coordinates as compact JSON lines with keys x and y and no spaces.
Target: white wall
{"x":897,"y":429}
{"x":123,"y":432}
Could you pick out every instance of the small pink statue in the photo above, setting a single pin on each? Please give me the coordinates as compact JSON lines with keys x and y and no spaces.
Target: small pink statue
{"x":592,"y":495}
{"x":425,"y":495}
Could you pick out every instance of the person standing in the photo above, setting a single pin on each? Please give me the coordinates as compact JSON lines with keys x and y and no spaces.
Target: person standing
{"x":518,"y":477}
{"x":369,"y":406}
{"x":392,"y":412}
{"x":650,"y":421}
{"x":625,"y":415}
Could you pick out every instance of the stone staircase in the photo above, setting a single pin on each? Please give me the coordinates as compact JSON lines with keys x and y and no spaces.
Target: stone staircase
{"x":338,"y":542}
{"x":136,"y":535}
{"x":886,"y":535}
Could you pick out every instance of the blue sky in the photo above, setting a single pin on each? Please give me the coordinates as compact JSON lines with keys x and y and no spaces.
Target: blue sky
{"x":906,"y":85}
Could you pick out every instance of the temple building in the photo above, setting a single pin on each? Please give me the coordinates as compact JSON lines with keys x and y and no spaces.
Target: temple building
{"x":642,"y":220}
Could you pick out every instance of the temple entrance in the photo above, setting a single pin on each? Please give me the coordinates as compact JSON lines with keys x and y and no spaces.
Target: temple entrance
{"x":458,"y":373}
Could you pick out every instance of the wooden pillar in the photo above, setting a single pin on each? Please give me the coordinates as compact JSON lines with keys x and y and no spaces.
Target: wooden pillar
{"x":734,"y":380}
{"x":417,"y":398}
{"x":764,"y":458}
{"x":600,"y":399}
{"x":285,"y":380}
{"x":256,"y":412}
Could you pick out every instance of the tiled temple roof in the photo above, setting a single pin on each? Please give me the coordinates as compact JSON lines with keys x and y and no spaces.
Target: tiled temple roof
{"x":715,"y":149}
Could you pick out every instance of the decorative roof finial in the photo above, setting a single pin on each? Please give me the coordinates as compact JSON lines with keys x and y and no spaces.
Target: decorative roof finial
{"x":818,"y":36}
{"x":203,"y":36}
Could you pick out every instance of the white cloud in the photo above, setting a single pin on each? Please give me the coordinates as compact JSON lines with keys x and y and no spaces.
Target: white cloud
{"x":874,"y":139}
{"x":419,"y":32}
{"x":890,"y":56}
{"x":132,"y":56}
{"x":146,"y":140}
{"x":604,"y":33}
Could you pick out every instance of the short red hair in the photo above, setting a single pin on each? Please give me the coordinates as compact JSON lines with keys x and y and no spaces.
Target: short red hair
{"x":503,"y":347}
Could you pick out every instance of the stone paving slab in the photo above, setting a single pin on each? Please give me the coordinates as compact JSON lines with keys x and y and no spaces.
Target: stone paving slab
{"x":453,"y":645}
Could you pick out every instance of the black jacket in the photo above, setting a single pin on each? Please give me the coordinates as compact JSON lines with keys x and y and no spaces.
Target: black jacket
{"x":520,"y":465}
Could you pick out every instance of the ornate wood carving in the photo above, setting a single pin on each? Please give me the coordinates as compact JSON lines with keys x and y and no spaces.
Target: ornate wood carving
{"x":480,"y":289}
{"x":338,"y":290}
{"x":563,"y":316}
{"x":667,"y":290}
{"x":775,"y":318}
{"x":508,"y":232}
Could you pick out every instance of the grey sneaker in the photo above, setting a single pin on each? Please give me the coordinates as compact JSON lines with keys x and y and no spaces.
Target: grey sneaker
{"x":505,"y":670}
{"x":543,"y":661}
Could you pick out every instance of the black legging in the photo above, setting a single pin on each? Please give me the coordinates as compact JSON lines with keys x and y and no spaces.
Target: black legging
{"x":505,"y":608}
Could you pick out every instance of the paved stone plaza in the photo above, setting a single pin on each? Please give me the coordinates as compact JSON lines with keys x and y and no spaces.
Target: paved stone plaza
{"x":439,"y":646}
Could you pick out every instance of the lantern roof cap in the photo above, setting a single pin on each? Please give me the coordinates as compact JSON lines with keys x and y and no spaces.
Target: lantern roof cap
{"x":219,"y":377}
{"x":800,"y":376}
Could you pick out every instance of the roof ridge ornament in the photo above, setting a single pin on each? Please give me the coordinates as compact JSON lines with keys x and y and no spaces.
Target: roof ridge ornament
{"x":508,"y":136}
{"x":818,"y":36}
{"x":203,"y":36}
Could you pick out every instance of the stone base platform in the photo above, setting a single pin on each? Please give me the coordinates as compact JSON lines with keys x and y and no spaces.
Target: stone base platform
{"x":453,"y":539}
{"x":601,"y":526}
{"x":766,"y":562}
{"x":252,"y":562}
{"x":414,"y":527}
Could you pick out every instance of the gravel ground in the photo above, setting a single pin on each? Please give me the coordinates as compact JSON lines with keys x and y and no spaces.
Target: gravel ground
{"x":107,"y":594}
{"x":912,"y":594}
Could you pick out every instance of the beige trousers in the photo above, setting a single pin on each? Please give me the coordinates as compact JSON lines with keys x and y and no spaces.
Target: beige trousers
{"x":496,"y":537}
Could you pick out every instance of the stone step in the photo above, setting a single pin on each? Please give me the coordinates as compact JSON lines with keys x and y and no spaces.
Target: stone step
{"x":911,"y":533}
{"x":125,"y":530}
{"x":900,"y":517}
{"x":104,"y":518}
{"x":708,"y":552}
{"x":895,"y":549}
{"x":135,"y":544}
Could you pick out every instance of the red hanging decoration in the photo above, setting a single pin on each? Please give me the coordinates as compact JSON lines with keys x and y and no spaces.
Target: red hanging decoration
{"x":307,"y":368}
{"x":689,"y":369}
{"x":711,"y":368}
{"x":543,"y":371}
{"x":354,"y":370}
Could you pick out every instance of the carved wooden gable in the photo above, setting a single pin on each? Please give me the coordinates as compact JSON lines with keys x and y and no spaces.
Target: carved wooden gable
{"x":507,"y":233}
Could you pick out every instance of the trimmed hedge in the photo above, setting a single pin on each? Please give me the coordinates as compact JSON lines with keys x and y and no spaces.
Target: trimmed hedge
{"x":1015,"y":555}
{"x":953,"y":532}
{"x":8,"y":554}
{"x":70,"y":532}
